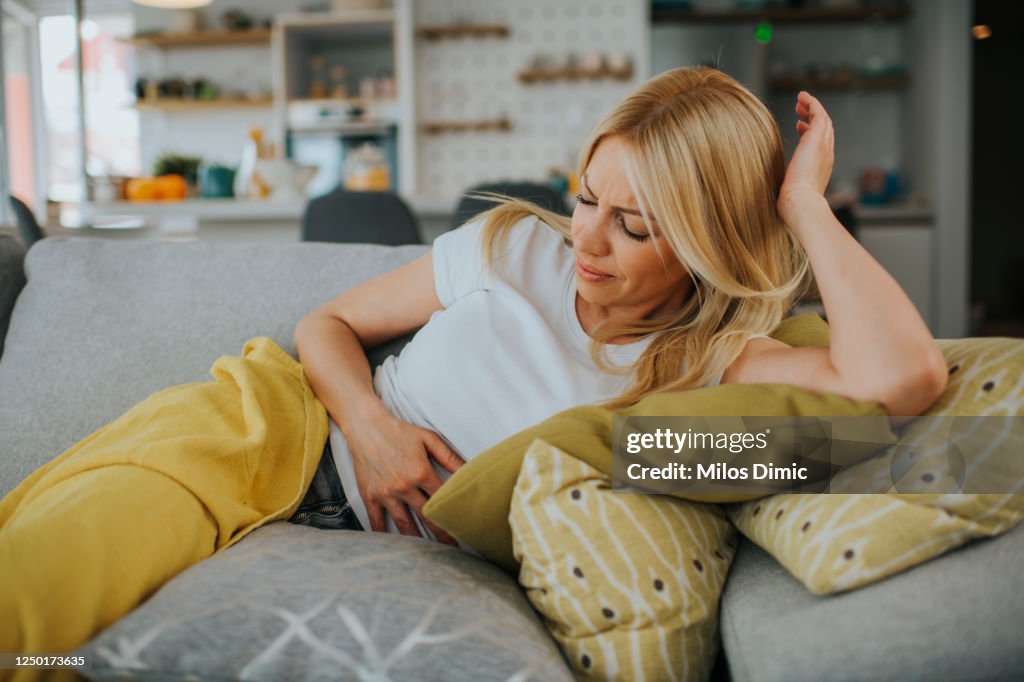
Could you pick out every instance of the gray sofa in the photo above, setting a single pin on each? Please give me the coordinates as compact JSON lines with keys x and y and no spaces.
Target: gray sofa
{"x":102,"y":324}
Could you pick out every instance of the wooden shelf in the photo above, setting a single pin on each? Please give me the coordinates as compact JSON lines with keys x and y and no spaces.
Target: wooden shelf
{"x":170,"y":104}
{"x":440,"y":127}
{"x":328,"y":22}
{"x":812,"y":83}
{"x":822,"y":15}
{"x":456,"y":30}
{"x":543,"y":75}
{"x":256,"y":36}
{"x":351,"y":101}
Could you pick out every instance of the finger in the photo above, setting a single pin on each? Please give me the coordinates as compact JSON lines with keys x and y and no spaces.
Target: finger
{"x":815,"y":109}
{"x":442,"y":453}
{"x":430,"y":483}
{"x":416,"y":501}
{"x":400,"y":514}
{"x":376,"y":514}
{"x":439,"y":533}
{"x":809,"y":100}
{"x":802,"y":127}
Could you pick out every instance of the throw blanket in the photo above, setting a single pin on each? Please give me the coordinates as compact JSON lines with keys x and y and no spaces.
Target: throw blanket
{"x":188,"y":471}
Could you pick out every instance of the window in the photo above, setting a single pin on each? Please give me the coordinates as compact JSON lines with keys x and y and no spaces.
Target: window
{"x":19,"y":174}
{"x":112,"y":137}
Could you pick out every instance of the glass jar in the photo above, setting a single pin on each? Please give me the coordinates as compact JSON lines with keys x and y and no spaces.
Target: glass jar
{"x":367,"y":169}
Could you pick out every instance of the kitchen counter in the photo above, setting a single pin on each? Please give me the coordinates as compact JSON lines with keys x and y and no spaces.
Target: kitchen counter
{"x":217,"y":219}
{"x":901,"y":214}
{"x":234,"y":219}
{"x":74,"y":215}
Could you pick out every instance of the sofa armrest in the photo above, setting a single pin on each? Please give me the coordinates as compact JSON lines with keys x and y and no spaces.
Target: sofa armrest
{"x":12,"y":279}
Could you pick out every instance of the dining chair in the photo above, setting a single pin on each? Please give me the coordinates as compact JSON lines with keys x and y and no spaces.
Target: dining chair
{"x":360,"y":217}
{"x":542,"y":195}
{"x":28,"y":227}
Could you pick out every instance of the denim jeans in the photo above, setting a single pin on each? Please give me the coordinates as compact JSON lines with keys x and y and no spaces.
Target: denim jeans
{"x":325,"y":505}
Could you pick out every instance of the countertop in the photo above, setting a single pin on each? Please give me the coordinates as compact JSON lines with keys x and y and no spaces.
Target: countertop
{"x":192,"y":211}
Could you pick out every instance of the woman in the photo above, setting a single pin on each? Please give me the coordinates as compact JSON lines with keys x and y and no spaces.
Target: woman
{"x":690,"y":242}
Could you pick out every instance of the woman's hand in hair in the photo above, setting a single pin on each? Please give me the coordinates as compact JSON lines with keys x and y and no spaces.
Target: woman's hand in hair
{"x":395,"y":473}
{"x":810,"y":168}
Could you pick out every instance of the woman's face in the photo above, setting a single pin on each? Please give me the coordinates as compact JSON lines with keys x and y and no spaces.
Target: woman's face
{"x":618,"y":266}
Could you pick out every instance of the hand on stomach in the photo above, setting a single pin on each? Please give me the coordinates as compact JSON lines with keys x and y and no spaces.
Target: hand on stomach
{"x":393,"y":463}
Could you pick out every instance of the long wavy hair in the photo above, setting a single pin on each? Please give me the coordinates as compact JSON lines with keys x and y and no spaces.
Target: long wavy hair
{"x":707,"y":160}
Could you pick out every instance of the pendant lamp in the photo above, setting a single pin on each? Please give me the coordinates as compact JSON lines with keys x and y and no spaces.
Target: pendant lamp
{"x":173,"y":4}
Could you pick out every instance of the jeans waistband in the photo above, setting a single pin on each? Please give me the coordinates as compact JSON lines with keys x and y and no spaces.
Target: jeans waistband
{"x":325,"y":504}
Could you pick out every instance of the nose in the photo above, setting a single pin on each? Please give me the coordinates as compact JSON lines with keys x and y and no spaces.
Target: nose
{"x":589,"y":235}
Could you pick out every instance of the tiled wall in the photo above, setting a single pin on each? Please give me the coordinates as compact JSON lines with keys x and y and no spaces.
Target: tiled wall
{"x":466,"y":78}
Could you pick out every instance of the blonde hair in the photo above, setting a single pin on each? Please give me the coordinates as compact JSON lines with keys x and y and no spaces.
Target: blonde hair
{"x":707,"y":160}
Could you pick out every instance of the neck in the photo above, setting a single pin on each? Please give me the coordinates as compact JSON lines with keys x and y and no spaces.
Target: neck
{"x":592,"y":314}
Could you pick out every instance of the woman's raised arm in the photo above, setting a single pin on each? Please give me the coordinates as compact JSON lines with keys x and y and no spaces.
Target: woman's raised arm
{"x":881,"y":349}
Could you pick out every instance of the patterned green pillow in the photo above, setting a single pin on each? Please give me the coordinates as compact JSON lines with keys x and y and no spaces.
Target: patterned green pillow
{"x":838,"y":542}
{"x":628,"y":584}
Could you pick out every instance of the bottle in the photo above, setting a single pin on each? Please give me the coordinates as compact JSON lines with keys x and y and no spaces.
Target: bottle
{"x":317,"y":77}
{"x":339,"y":85}
{"x":385,"y":85}
{"x":368,"y":88}
{"x":248,"y":184}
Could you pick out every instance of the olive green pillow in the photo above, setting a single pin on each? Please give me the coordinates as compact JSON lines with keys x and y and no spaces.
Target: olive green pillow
{"x":838,"y":542}
{"x":473,"y":505}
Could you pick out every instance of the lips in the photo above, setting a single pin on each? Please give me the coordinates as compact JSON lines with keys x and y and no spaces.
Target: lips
{"x":591,"y":273}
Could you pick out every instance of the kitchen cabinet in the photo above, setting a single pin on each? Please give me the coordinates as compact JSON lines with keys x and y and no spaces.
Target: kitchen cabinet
{"x":335,"y":90}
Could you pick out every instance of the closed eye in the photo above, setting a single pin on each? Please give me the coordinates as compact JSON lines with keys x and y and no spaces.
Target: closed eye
{"x":635,"y":236}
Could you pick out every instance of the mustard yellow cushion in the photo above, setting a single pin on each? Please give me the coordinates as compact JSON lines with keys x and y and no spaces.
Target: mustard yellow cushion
{"x":628,"y":584}
{"x":838,"y":542}
{"x":473,"y":505}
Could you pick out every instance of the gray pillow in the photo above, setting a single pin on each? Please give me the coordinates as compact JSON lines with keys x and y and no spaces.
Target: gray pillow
{"x":298,"y":603}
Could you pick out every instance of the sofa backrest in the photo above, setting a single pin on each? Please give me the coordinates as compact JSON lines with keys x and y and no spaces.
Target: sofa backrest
{"x":101,"y":324}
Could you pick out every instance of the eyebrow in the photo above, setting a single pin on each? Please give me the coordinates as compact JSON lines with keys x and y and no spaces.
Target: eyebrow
{"x":631,"y":211}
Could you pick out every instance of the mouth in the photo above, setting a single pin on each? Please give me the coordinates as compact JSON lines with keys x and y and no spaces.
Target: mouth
{"x":591,"y":274}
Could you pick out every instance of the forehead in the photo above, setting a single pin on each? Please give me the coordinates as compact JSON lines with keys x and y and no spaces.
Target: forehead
{"x":608,"y":168}
{"x":611,"y":155}
{"x":606,"y":177}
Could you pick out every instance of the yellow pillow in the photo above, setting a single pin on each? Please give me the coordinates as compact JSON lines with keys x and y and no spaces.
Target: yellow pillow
{"x":628,"y":584}
{"x":473,"y":505}
{"x":838,"y":542}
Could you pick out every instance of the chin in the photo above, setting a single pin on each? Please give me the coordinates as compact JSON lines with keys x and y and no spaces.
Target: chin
{"x":596,"y":293}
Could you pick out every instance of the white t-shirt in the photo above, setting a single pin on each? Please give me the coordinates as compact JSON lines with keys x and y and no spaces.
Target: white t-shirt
{"x":507,"y":351}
